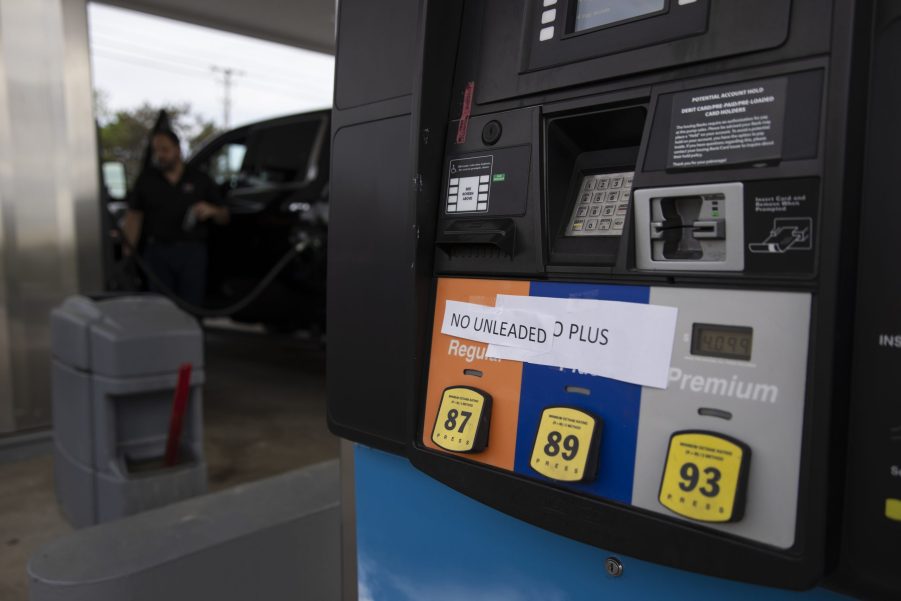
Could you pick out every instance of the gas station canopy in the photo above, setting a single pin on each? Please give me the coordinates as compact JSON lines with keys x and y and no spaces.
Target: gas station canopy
{"x":307,"y":24}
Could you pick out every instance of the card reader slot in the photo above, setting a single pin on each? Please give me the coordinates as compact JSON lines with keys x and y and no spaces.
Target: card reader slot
{"x":497,"y":233}
{"x":707,"y":230}
{"x":691,"y":228}
{"x":710,"y":229}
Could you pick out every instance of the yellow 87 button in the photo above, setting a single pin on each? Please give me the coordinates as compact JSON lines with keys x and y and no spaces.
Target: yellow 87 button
{"x":566,"y":446}
{"x":463,"y":419}
{"x":705,"y":477}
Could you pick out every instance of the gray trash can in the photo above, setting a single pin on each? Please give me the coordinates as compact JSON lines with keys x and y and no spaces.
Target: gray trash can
{"x":115,"y":367}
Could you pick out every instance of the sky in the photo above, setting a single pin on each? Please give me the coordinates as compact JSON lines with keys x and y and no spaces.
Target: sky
{"x":138,"y":57}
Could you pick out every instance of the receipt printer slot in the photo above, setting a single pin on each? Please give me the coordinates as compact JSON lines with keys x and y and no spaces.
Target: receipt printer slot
{"x":495,"y":233}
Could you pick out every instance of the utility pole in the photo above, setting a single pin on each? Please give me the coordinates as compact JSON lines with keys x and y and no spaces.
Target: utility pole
{"x":227,"y":74}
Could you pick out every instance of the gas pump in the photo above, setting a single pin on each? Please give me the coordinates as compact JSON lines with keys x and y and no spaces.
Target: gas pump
{"x":594,"y":266}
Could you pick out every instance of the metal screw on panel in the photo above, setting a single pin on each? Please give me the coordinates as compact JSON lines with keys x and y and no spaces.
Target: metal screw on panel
{"x":613,"y":566}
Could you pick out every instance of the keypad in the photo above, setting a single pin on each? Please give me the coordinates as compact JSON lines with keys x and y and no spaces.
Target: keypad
{"x":605,"y":198}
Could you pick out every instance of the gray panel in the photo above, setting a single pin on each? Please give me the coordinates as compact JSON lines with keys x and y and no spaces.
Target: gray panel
{"x":70,"y":332}
{"x":144,"y":335}
{"x":764,"y":395}
{"x":84,"y":210}
{"x":7,"y":419}
{"x":375,"y":54}
{"x":125,"y":336}
{"x":73,"y":412}
{"x":49,"y":215}
{"x":349,"y":590}
{"x":371,"y":253}
{"x":274,"y":539}
{"x":75,"y":489}
{"x":119,"y":495}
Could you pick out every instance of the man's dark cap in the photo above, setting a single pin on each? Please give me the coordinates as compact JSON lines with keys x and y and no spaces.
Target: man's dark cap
{"x":169,"y":134}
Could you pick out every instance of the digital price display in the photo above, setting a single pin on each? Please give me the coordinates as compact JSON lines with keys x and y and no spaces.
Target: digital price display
{"x":705,"y":477}
{"x":595,"y":13}
{"x":463,"y":420}
{"x":728,"y":342}
{"x":566,"y":446}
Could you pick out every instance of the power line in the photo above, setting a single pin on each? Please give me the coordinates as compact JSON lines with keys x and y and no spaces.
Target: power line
{"x":188,"y":54}
{"x":150,"y":63}
{"x":295,"y":90}
{"x":190,"y":70}
{"x":206,"y":58}
{"x":224,"y":49}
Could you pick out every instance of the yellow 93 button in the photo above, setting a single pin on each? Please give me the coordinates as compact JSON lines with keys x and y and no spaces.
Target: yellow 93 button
{"x":463,"y":420}
{"x":566,"y":446}
{"x":705,"y":477}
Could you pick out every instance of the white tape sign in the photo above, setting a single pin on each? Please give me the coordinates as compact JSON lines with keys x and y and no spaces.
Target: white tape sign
{"x":631,"y":342}
{"x":525,"y":329}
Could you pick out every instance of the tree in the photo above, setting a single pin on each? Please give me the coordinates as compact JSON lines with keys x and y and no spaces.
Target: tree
{"x":124,"y":133}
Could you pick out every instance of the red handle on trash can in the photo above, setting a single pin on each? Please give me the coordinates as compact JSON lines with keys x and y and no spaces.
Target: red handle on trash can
{"x":179,"y":405}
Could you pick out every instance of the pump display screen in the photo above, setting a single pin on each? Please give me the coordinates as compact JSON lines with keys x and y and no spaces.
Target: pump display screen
{"x":602,"y":204}
{"x":595,"y":13}
{"x":728,"y":342}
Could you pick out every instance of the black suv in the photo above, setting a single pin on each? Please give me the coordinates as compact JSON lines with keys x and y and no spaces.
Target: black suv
{"x":274,"y":179}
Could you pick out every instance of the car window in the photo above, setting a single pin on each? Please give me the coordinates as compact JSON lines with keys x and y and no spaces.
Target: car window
{"x":225,"y":164}
{"x":280,"y":154}
{"x":115,"y":179}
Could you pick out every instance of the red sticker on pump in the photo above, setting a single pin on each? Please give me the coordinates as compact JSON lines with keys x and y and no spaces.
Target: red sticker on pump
{"x":463,"y":126}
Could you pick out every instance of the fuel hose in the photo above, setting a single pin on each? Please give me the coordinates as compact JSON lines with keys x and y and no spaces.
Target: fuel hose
{"x":295,"y":250}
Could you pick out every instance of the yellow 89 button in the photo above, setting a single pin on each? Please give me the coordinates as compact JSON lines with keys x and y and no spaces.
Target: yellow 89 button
{"x":566,"y":446}
{"x":463,"y":420}
{"x":705,"y":478}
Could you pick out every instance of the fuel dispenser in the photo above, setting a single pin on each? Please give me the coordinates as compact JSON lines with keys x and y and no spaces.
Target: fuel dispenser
{"x":594,"y":264}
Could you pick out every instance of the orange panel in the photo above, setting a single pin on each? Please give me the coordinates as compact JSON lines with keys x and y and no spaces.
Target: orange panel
{"x":501,"y":379}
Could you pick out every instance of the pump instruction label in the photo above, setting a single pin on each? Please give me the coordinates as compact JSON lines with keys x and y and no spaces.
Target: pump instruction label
{"x":781,"y":225}
{"x":725,"y":125}
{"x":469,"y":184}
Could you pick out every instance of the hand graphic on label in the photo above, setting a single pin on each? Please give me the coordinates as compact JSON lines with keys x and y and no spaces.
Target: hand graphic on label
{"x":787,"y":234}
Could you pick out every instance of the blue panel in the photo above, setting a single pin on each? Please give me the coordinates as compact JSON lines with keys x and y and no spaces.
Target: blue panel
{"x":626,"y":294}
{"x":418,"y":539}
{"x":616,"y":403}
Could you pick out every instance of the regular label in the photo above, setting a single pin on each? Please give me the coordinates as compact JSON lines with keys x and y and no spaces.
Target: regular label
{"x":729,"y":124}
{"x":566,"y":446}
{"x":705,"y":477}
{"x":463,"y":420}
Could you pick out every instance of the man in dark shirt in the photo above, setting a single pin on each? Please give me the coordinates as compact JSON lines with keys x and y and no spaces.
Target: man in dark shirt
{"x":171,"y":206}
